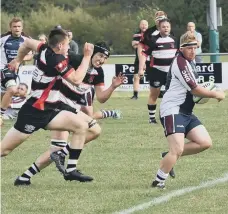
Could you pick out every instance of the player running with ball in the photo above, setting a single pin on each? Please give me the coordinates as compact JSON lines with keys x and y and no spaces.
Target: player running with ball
{"x":176,"y":110}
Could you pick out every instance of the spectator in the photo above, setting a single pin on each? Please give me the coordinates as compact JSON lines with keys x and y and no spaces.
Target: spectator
{"x":192,"y":28}
{"x":10,"y":43}
{"x":42,"y":38}
{"x":143,"y":26}
{"x":17,"y":101}
{"x":73,"y":45}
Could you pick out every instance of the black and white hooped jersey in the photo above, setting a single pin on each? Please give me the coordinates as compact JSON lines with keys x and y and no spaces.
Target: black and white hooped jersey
{"x":9,"y":47}
{"x":83,"y":93}
{"x":162,"y":51}
{"x":47,"y":79}
{"x":181,"y":79}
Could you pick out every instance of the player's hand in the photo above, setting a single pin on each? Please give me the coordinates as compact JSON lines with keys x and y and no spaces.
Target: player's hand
{"x":14,"y":65}
{"x":117,"y":81}
{"x":220,"y":95}
{"x":141,"y":73}
{"x":88,"y":49}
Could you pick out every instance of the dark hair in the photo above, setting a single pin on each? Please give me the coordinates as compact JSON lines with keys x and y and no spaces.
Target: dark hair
{"x":24,"y":84}
{"x":164,"y":20}
{"x":56,"y":36}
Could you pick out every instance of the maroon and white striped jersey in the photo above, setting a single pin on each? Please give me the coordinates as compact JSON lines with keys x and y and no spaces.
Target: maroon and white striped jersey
{"x":181,"y":79}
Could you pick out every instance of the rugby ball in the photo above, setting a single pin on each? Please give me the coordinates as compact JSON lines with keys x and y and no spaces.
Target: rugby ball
{"x":207,"y":85}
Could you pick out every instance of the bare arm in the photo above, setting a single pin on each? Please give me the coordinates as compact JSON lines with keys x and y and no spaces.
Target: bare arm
{"x":202,"y":92}
{"x":134,"y":44}
{"x":29,"y":56}
{"x":102,"y":94}
{"x":142,"y":60}
{"x":76,"y":77}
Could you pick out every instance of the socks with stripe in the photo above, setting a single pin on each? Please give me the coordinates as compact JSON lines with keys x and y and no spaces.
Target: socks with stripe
{"x":2,"y":111}
{"x":152,"y":111}
{"x":161,"y":176}
{"x":61,"y":143}
{"x":31,"y":171}
{"x":108,"y":113}
{"x":74,"y":155}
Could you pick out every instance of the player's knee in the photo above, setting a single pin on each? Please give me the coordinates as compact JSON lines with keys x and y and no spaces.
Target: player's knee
{"x":94,"y":128}
{"x":206,"y":144}
{"x":12,"y":90}
{"x":177,"y":151}
{"x":136,"y":77}
{"x":5,"y":152}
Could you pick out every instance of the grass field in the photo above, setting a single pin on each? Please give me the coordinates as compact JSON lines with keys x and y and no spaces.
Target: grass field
{"x":123,"y":162}
{"x":129,"y":60}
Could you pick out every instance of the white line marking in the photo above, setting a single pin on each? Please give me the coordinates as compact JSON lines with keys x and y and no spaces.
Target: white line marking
{"x":173,"y":194}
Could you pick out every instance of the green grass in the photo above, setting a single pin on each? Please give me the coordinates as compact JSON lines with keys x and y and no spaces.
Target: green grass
{"x":129,"y":60}
{"x":123,"y":162}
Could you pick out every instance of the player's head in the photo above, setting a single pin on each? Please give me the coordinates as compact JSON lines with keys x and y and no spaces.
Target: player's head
{"x":191,"y":26}
{"x":159,"y":15}
{"x":58,"y":40}
{"x":70,"y":35}
{"x":100,"y":54}
{"x":42,"y":38}
{"x":22,"y":90}
{"x":16,"y":26}
{"x":164,"y":27}
{"x":143,"y":25}
{"x":188,"y":45}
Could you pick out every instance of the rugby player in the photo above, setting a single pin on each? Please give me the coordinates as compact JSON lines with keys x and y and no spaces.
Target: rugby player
{"x":83,"y":96}
{"x":176,"y":109}
{"x":162,"y":49}
{"x":46,"y":108}
{"x":143,"y":26}
{"x":10,"y":42}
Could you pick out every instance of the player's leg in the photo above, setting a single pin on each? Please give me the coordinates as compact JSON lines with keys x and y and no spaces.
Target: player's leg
{"x":174,"y":128}
{"x":176,"y":147}
{"x":12,"y":140}
{"x":102,"y":114}
{"x":155,"y":80}
{"x":136,"y":82}
{"x":200,"y":139}
{"x":78,"y":124}
{"x":11,"y":90}
{"x":58,"y":141}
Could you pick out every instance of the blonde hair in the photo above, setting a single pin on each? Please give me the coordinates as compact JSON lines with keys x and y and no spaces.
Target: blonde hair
{"x":160,"y":13}
{"x":15,"y":19}
{"x":187,"y":38}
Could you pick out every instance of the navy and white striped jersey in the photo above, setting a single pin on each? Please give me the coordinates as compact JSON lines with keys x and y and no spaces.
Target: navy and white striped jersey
{"x":9,"y":47}
{"x":162,"y":51}
{"x":181,"y":79}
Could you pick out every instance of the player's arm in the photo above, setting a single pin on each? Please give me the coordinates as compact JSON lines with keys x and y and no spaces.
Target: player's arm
{"x":24,"y":49}
{"x":142,"y":54}
{"x":29,"y":56}
{"x":187,"y":78}
{"x":77,"y":76}
{"x":134,"y":44}
{"x":103,"y":94}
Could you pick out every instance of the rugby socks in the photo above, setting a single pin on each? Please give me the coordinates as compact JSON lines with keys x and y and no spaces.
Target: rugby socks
{"x":135,"y":94}
{"x":58,"y":143}
{"x":31,"y":171}
{"x":73,"y":159}
{"x":63,"y":144}
{"x":107,"y":113}
{"x":152,"y":111}
{"x":3,"y":111}
{"x":161,"y":176}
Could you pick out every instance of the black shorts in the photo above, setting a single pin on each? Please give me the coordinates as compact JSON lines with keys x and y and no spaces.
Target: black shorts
{"x":136,"y":66}
{"x":179,"y":123}
{"x":31,"y":119}
{"x":156,"y":77}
